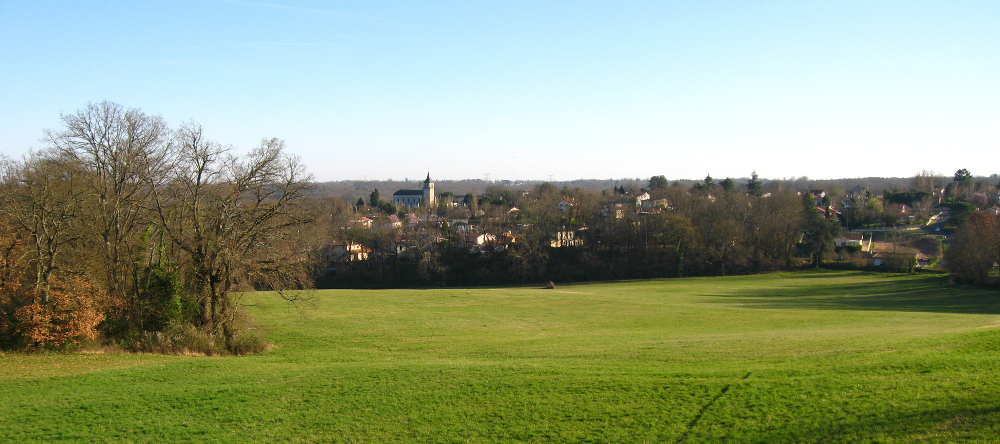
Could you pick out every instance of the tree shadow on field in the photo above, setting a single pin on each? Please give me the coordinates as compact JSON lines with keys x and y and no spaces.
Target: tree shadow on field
{"x":946,"y":423}
{"x":926,"y":294}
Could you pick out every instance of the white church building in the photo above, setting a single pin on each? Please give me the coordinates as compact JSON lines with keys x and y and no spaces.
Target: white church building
{"x":417,"y":198}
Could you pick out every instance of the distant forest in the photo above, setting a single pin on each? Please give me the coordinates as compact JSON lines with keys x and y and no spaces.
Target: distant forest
{"x":351,"y":190}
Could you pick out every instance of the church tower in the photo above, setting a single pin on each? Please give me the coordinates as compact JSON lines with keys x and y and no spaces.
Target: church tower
{"x":430,"y":198}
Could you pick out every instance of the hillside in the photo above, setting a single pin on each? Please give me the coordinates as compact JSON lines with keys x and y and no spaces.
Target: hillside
{"x":818,"y":356}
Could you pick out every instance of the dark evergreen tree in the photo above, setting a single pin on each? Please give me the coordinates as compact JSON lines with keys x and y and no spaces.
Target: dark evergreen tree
{"x":818,"y":231}
{"x":963,"y":177}
{"x":755,"y":186}
{"x":658,"y":183}
{"x":728,"y":185}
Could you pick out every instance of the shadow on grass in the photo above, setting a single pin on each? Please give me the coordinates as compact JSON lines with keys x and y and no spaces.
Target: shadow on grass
{"x":945,"y":424}
{"x":893,"y":293}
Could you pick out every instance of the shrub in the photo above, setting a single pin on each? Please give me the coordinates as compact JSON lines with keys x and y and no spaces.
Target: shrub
{"x":188,"y":339}
{"x":248,"y":341}
{"x":246,"y":336}
{"x":859,"y":260}
{"x":69,"y":315}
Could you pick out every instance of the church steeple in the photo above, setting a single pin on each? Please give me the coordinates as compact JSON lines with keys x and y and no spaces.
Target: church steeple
{"x":430,"y":198}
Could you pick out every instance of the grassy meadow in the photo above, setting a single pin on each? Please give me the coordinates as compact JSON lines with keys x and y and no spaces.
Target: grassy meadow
{"x":816,"y":356}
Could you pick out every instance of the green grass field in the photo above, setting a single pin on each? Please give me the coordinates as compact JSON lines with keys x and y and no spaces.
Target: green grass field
{"x":801,"y":357}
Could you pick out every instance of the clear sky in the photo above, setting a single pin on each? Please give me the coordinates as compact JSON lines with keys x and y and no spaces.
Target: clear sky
{"x":530,"y":89}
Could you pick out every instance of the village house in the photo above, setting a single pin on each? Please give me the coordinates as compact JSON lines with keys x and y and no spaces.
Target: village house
{"x":828,"y":211}
{"x":898,"y":260}
{"x":479,"y":241}
{"x":414,"y":220}
{"x":640,"y":199}
{"x":853,"y":240}
{"x":346,"y":252}
{"x":483,"y":241}
{"x":364,"y":222}
{"x":395,"y":222}
{"x":616,"y":211}
{"x":655,"y":204}
{"x":567,"y":203}
{"x":904,"y":214}
{"x":817,"y":196}
{"x":564,"y":238}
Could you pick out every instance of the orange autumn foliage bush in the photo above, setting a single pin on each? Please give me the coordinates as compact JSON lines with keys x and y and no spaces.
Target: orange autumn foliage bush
{"x":73,"y":311}
{"x":66,"y":315}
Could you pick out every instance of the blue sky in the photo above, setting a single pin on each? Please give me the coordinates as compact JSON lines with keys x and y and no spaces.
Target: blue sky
{"x":530,"y":89}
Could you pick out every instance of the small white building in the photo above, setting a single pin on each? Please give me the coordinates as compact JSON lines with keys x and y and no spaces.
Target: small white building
{"x":640,"y":199}
{"x":852,"y":240}
{"x":480,"y":239}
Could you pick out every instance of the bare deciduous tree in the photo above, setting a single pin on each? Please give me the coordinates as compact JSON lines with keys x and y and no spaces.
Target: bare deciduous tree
{"x":124,"y":153}
{"x":975,"y":248}
{"x":42,"y":196}
{"x":234,"y":219}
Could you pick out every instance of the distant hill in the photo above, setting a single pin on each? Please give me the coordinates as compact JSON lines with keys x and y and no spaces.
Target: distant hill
{"x":351,"y":190}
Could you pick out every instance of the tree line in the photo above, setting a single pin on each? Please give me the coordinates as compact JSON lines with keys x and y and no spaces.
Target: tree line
{"x":708,"y":229}
{"x":144,"y":234}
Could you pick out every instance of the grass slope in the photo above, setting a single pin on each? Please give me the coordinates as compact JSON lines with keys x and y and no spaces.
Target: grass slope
{"x":802,"y":357}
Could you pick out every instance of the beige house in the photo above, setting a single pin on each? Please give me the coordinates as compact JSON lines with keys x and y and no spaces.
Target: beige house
{"x":346,"y":252}
{"x":853,"y":240}
{"x":365,"y":222}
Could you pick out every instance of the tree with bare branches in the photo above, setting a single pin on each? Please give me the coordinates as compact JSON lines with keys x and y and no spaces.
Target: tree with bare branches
{"x":43,"y":198}
{"x":124,"y":154}
{"x":233,"y":222}
{"x":975,"y":248}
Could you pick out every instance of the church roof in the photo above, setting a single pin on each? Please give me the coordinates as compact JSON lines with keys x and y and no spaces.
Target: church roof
{"x":409,"y":193}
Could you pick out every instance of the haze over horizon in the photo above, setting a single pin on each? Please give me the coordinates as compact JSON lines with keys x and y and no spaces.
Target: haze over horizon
{"x":527,"y":90}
